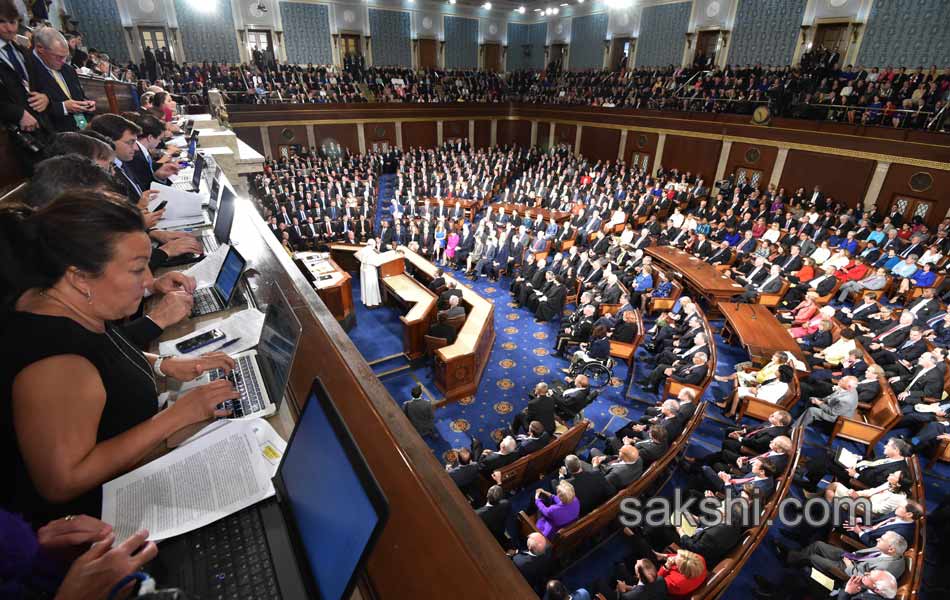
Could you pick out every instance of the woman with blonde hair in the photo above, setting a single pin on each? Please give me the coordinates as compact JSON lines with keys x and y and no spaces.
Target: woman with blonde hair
{"x":683,"y":572}
{"x":564,"y":508}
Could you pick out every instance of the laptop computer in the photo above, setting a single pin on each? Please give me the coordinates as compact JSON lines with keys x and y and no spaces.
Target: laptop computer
{"x":309,"y":541}
{"x":215,"y":187}
{"x":193,"y":184}
{"x":223,"y":220}
{"x":260,"y":374}
{"x":217,"y":297}
{"x":189,"y":126}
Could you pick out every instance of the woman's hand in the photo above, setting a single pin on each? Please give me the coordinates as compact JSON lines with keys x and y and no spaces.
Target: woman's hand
{"x":146,"y":198}
{"x":186,"y":369}
{"x":174,"y":281}
{"x":93,"y":575}
{"x":152,"y":218}
{"x":70,"y":535}
{"x":201,"y":403}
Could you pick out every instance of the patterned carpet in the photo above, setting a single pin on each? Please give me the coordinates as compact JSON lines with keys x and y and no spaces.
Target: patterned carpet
{"x":522,"y":356}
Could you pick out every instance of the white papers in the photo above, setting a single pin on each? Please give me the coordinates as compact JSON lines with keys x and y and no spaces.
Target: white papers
{"x":331,"y":280}
{"x":178,"y":141}
{"x":246,"y":325}
{"x":208,"y":479}
{"x":183,"y":208}
{"x":206,"y":270}
{"x":847,"y":458}
{"x":927,"y":408}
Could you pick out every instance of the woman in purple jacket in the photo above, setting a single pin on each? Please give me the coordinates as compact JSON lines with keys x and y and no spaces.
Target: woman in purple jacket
{"x":562,"y":512}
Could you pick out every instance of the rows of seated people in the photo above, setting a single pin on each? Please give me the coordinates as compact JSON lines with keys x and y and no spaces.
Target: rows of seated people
{"x":79,"y":246}
{"x":895,"y":97}
{"x":678,"y":343}
{"x":310,"y":200}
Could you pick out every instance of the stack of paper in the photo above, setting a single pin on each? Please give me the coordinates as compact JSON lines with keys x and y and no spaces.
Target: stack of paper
{"x":206,"y":270}
{"x":213,"y":475}
{"x":183,"y":209}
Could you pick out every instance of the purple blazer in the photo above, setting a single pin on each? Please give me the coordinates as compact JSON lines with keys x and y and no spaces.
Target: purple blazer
{"x":556,"y":516}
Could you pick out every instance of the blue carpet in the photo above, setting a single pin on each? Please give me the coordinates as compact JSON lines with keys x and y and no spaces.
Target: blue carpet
{"x":521,"y":357}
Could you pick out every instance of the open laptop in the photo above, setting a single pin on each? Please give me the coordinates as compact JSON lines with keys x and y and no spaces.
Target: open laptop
{"x":310,"y":541}
{"x":217,"y":297}
{"x":189,"y":126}
{"x":223,"y":220}
{"x":215,"y":188}
{"x":193,"y":184}
{"x":260,"y":374}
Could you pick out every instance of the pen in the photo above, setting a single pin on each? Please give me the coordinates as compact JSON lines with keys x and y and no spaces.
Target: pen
{"x":228,"y":343}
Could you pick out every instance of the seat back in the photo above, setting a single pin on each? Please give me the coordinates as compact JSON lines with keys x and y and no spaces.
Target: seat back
{"x":457,"y":322}
{"x":434,"y":343}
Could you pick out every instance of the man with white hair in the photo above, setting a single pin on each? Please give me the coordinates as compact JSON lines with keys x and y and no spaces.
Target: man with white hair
{"x":534,"y":563}
{"x":870,"y":586}
{"x":68,"y":108}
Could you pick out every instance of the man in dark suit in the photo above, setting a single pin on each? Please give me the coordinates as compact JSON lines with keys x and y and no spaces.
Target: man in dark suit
{"x":490,"y":460}
{"x":590,"y":485}
{"x":464,"y":472}
{"x":22,"y":103}
{"x":144,"y":170}
{"x":536,"y":562}
{"x":540,"y":408}
{"x":69,"y":109}
{"x":621,"y":470}
{"x":442,"y":329}
{"x":495,"y":514}
{"x":925,"y":381}
{"x":444,"y":297}
{"x":420,"y":413}
{"x":757,"y":439}
{"x":872,"y":472}
{"x":437,"y":281}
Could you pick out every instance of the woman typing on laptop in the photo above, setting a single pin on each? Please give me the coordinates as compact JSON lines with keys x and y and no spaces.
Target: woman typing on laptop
{"x":78,"y":402}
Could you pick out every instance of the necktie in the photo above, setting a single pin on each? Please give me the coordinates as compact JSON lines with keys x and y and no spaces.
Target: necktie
{"x":62,"y":84}
{"x":15,"y":61}
{"x":886,"y":333}
{"x":855,"y":556}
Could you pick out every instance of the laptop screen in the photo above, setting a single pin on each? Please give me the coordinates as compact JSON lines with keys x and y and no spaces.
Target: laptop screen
{"x":224,"y":216}
{"x":335,"y":507}
{"x":196,"y":176}
{"x":215,"y":189}
{"x":229,"y":275}
{"x":275,"y":350}
{"x":192,"y":145}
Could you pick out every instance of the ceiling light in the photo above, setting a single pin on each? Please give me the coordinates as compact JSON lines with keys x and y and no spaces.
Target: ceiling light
{"x":564,"y":4}
{"x":580,"y":1}
{"x":522,"y":9}
{"x":451,"y":1}
{"x":203,"y":6}
{"x":487,"y":6}
{"x":556,"y":10}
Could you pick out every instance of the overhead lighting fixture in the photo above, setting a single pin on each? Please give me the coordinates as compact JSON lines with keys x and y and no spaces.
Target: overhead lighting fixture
{"x":556,"y":10}
{"x":580,"y":1}
{"x":487,"y":6}
{"x":522,"y":9}
{"x":564,"y":4}
{"x":204,"y":6}
{"x":451,"y":1}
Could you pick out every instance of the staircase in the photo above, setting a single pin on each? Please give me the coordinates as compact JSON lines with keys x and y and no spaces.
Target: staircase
{"x":384,"y":195}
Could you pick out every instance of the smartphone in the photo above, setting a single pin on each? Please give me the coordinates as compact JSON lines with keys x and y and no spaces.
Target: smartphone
{"x":161,"y":205}
{"x":200,"y":341}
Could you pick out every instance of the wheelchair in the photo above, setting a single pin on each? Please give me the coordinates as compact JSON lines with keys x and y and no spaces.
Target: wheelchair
{"x":598,"y":372}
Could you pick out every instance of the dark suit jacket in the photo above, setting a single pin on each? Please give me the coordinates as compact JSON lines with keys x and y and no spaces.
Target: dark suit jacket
{"x":535,"y":569}
{"x":760,"y":440}
{"x":868,"y":391}
{"x":528,"y":445}
{"x":541,"y":408}
{"x":621,"y":474}
{"x":61,"y":120}
{"x":929,"y":385}
{"x":496,"y":519}
{"x":496,"y":460}
{"x":712,"y":543}
{"x":464,"y":475}
{"x":650,"y":591}
{"x":591,"y":488}
{"x":650,"y":451}
{"x":691,"y":374}
{"x":14,"y":97}
{"x":443,"y":330}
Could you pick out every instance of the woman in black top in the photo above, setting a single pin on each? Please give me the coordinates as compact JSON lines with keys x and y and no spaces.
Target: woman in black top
{"x":78,"y":401}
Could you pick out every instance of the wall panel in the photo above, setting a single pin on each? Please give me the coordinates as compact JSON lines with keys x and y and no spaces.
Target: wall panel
{"x":346,"y":136}
{"x":641,"y":142}
{"x":461,"y":43}
{"x":898,"y":181}
{"x":207,"y":31}
{"x":482,"y":134}
{"x":526,"y":46}
{"x":691,"y":155}
{"x":766,"y":32}
{"x":455,"y":129}
{"x":663,"y":34}
{"x":285,"y":135}
{"x":391,"y":32}
{"x":598,"y":143}
{"x":587,"y":42}
{"x":380,"y":132}
{"x":565,"y":133}
{"x":514,"y":132}
{"x":419,"y":135}
{"x":753,"y":156}
{"x":307,"y":33}
{"x":841,"y":177}
{"x":909,"y":34}
{"x":99,"y":22}
{"x":252,"y":137}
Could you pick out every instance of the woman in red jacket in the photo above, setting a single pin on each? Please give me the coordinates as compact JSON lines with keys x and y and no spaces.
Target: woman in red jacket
{"x":683,"y":572}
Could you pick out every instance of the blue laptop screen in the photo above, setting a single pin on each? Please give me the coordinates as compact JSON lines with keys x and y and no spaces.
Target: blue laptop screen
{"x":331,"y":496}
{"x":229,"y":275}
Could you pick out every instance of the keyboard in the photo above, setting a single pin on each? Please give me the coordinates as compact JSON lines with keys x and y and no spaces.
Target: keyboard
{"x":209,"y":243}
{"x":230,"y":559}
{"x":184,"y":186}
{"x":242,"y":376}
{"x":205,"y":302}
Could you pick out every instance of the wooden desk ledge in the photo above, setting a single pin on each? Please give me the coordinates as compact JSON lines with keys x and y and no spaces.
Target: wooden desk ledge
{"x":413,"y":292}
